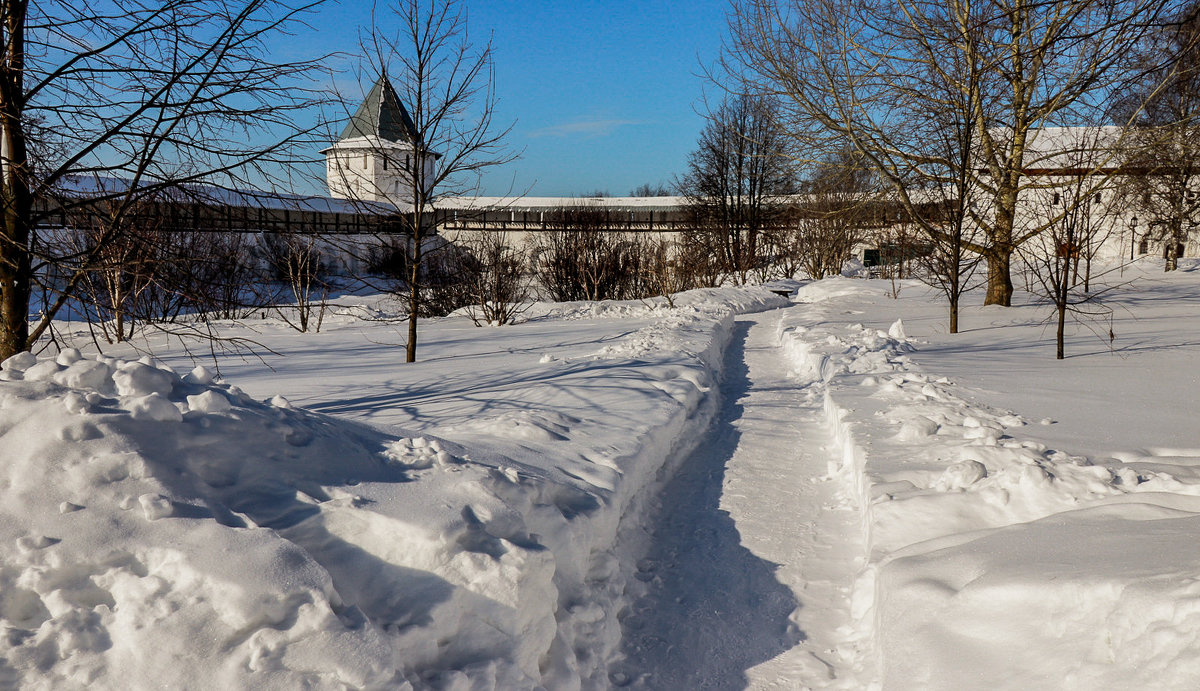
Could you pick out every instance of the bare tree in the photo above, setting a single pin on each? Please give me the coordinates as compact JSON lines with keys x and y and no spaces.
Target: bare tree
{"x":648,"y":190}
{"x":947,"y":183}
{"x":446,"y":96}
{"x":1165,"y":190}
{"x":216,"y":274}
{"x":668,"y":271}
{"x":1054,"y":256}
{"x":585,"y":258}
{"x":122,"y":270}
{"x":120,"y":102}
{"x":736,"y":180}
{"x":701,"y":253}
{"x":838,"y":205}
{"x":496,"y":279}
{"x":1162,"y":159}
{"x":948,"y":266}
{"x":295,"y":263}
{"x":861,"y":72}
{"x":146,"y":274}
{"x":902,"y":248}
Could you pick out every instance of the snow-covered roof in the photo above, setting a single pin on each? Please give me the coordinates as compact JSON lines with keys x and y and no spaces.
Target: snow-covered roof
{"x":1051,"y":148}
{"x":85,"y":186}
{"x":547,"y":203}
{"x":664,"y":204}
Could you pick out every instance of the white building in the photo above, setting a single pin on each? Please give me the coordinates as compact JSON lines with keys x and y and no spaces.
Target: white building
{"x":1120,"y":210}
{"x":380,"y":156}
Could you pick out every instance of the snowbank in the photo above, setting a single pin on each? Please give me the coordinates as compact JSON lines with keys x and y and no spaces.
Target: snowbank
{"x":171,"y":531}
{"x":995,"y":561}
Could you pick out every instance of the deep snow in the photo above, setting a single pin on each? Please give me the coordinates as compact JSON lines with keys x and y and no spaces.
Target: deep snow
{"x":828,"y":494}
{"x":257,"y":545}
{"x":1030,"y":521}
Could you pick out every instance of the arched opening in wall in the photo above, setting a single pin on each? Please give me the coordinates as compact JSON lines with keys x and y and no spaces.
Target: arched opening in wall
{"x":1178,"y":249}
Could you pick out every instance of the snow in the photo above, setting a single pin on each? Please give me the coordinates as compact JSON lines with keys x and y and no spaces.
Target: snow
{"x":91,"y":186}
{"x":746,"y":490}
{"x":257,"y":545}
{"x":541,"y":204}
{"x":1002,"y":553}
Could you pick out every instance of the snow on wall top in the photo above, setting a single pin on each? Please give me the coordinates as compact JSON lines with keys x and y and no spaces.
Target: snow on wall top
{"x":83,"y":186}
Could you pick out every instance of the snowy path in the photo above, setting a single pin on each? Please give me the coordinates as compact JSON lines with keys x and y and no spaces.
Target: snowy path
{"x":751,"y":561}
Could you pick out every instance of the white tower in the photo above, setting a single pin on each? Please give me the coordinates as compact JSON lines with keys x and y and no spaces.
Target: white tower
{"x":378,"y":154}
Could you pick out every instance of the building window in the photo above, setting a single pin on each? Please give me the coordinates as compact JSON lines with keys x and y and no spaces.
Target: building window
{"x":385,"y":161}
{"x":364,"y":161}
{"x":1057,"y":198}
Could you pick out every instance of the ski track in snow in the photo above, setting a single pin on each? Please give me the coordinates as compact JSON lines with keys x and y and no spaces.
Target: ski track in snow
{"x":747,"y":579}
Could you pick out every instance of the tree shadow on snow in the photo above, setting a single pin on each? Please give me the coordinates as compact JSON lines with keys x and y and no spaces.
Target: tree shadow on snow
{"x":712,"y":609}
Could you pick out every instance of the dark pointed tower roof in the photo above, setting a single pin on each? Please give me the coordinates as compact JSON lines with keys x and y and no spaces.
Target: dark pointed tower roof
{"x":382,"y":115}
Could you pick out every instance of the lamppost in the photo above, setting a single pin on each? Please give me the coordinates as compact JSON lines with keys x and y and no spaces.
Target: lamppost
{"x":1132,"y":236}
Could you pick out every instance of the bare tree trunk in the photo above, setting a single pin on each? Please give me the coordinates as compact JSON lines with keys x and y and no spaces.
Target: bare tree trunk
{"x":119,"y":314}
{"x":954,"y":280}
{"x":414,"y":294}
{"x":15,"y":261}
{"x":1172,"y":243}
{"x":1062,"y":322}
{"x":15,"y":279}
{"x":999,"y":286}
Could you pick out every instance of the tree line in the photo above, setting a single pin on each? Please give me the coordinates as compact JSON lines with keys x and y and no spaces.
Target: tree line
{"x":932,"y":106}
{"x":957,"y":105}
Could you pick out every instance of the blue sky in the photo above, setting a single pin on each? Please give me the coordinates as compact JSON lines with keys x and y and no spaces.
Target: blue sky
{"x":604,"y":94}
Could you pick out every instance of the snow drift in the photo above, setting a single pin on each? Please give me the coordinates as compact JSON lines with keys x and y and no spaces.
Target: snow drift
{"x":995,"y":561}
{"x":170,"y":531}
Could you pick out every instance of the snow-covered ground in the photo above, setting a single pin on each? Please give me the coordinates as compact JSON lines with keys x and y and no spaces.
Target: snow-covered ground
{"x":1030,"y":522}
{"x":742,"y":491}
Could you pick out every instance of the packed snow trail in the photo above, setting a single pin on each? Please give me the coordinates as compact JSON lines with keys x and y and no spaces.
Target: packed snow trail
{"x":755,"y":549}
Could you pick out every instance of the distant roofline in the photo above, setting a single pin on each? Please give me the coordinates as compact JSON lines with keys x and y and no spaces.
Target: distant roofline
{"x":82,"y":186}
{"x":548,"y":203}
{"x":530,"y":204}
